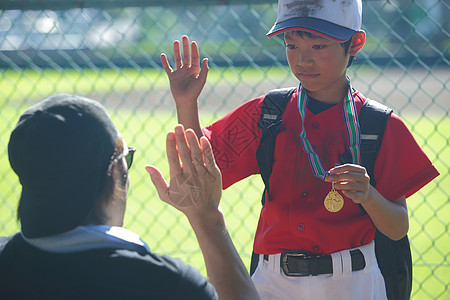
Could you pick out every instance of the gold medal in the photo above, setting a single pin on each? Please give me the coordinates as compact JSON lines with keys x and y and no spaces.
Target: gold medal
{"x":333,"y":201}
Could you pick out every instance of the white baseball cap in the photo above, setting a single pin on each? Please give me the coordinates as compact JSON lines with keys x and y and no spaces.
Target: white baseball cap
{"x":332,"y":19}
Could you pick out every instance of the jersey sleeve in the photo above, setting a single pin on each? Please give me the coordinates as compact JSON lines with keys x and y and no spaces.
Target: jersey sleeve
{"x":402,"y":168}
{"x":234,"y":139}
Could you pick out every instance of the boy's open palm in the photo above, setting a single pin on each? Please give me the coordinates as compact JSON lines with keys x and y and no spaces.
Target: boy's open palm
{"x":188,"y":79}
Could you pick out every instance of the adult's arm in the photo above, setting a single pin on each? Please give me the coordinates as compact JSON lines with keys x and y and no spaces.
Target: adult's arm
{"x":195,"y":189}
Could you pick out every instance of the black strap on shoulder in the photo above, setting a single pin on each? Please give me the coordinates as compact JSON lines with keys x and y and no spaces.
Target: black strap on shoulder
{"x":372,"y":122}
{"x":270,"y":123}
{"x":372,"y":119}
{"x":393,"y":257}
{"x":374,"y":116}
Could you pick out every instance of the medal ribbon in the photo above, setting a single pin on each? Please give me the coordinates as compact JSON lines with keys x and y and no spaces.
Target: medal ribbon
{"x":351,"y":123}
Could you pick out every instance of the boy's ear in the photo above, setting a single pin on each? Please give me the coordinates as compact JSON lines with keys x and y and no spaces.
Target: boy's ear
{"x":358,"y":40}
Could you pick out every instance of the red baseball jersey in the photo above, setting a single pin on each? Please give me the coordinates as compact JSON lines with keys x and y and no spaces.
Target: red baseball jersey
{"x":296,"y":217}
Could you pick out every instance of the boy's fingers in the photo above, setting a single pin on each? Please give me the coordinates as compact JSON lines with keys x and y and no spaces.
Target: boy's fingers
{"x":177,"y":54}
{"x":347,"y":168}
{"x":165,"y":64}
{"x":347,"y":172}
{"x":186,"y":52}
{"x":195,"y":56}
{"x":204,"y":70}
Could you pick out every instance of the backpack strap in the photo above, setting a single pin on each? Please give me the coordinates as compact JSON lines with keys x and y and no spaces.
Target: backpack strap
{"x":393,"y":257}
{"x":270,"y":123}
{"x":372,"y":122}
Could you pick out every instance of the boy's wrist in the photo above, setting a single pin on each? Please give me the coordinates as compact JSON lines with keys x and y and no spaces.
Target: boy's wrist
{"x":371,"y":196}
{"x":187,"y":104}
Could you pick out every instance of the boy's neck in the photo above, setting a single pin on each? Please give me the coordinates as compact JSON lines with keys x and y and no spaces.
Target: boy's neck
{"x":332,"y":94}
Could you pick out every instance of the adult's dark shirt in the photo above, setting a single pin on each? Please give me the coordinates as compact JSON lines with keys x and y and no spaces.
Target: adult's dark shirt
{"x":27,"y":272}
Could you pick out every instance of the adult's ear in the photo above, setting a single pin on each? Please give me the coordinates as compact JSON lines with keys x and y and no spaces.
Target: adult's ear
{"x":119,"y":174}
{"x":113,"y":173}
{"x":358,"y":41}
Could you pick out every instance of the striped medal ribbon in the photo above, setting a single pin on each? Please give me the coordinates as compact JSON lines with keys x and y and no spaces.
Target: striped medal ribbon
{"x":351,"y":123}
{"x":333,"y":202}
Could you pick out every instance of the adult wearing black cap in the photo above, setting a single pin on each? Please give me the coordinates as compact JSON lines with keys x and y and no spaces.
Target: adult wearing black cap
{"x":73,"y":167}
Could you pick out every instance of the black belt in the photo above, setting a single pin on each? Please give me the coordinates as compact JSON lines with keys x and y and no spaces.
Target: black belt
{"x":302,"y":263}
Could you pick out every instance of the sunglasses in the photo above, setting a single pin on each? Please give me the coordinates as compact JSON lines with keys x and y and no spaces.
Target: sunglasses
{"x":128,"y":159}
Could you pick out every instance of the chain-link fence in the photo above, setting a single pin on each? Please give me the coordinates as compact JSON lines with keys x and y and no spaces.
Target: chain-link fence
{"x":109,"y":51}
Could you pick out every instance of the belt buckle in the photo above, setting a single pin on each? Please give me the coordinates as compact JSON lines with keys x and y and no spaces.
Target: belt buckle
{"x":303,"y":256}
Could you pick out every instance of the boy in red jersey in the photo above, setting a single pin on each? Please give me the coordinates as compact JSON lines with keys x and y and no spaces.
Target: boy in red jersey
{"x":321,"y":120}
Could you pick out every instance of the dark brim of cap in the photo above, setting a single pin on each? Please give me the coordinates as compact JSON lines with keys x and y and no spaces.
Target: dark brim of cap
{"x":316,"y":26}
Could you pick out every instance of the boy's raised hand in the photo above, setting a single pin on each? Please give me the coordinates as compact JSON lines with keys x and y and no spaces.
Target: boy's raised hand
{"x":187,"y":79}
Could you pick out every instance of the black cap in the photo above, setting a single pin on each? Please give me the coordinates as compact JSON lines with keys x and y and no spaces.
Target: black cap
{"x":60,"y":149}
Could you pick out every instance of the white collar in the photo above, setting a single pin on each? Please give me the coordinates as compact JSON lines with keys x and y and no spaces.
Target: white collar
{"x":89,"y":237}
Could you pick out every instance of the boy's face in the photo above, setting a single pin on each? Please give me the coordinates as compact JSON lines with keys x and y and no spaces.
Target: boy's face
{"x":319,"y":63}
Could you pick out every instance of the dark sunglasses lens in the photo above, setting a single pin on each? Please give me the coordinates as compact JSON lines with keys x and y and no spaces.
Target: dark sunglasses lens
{"x":129,"y":157}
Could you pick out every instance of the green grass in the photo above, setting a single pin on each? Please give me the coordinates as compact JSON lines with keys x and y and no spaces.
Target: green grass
{"x":165,"y":229}
{"x":17,"y":85}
